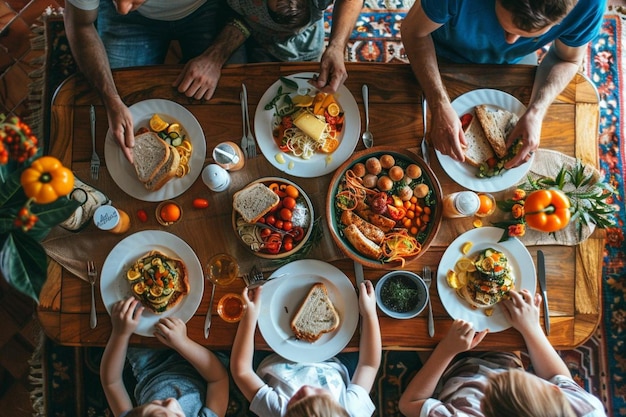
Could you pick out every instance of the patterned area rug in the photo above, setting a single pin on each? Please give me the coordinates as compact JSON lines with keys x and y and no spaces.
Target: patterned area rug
{"x":68,"y":376}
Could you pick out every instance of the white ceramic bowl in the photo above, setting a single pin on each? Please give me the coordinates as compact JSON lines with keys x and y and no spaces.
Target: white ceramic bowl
{"x":410,"y":280}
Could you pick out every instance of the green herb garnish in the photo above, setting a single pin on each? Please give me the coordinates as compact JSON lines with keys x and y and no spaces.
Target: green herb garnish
{"x":400,"y":294}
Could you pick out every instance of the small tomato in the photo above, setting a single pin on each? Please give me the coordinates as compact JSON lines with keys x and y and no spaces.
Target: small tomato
{"x":200,"y":203}
{"x":142,"y":215}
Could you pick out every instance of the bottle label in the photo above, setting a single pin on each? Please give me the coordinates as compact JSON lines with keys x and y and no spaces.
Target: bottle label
{"x":106,"y":217}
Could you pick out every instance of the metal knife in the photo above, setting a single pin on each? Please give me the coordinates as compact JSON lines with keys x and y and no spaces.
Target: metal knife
{"x":424,"y":118}
{"x":358,"y":273}
{"x":207,"y":320}
{"x":541,"y":276}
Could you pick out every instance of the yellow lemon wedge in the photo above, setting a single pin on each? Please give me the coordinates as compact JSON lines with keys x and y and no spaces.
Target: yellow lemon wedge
{"x":302,"y":100}
{"x":157,"y":124}
{"x":186,"y":145}
{"x":174,"y":128}
{"x":452,"y":279}
{"x":140,"y":287}
{"x":466,"y":247}
{"x":464,"y":264}
{"x":156,"y":291}
{"x":330,"y":144}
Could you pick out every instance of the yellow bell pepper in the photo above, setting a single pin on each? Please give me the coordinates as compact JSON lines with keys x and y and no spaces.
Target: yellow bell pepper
{"x":46,"y":180}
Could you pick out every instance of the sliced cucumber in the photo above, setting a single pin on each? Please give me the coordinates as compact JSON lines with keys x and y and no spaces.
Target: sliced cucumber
{"x":177,"y":142}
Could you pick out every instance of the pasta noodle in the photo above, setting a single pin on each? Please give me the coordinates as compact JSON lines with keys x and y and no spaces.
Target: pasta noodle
{"x":302,"y":145}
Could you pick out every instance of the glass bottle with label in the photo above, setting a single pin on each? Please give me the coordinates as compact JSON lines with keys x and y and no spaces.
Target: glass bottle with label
{"x":460,"y":204}
{"x":111,"y":219}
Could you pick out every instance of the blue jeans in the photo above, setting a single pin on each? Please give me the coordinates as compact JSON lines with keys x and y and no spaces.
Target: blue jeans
{"x":135,"y":40}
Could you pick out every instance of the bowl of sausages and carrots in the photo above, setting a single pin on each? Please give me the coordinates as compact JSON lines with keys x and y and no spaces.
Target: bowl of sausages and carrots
{"x":384,"y":207}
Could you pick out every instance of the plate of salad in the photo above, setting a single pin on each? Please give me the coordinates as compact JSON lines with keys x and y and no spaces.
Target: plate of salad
{"x":304,"y":132}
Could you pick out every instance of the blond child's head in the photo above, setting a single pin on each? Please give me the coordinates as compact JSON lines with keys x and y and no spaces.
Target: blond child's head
{"x":519,"y":393}
{"x":314,"y":402}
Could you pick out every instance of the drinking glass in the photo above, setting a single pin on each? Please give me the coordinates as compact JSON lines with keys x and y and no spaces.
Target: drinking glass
{"x":222,"y":269}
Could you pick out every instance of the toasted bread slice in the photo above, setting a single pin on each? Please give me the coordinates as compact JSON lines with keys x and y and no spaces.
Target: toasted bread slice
{"x":254,"y":201}
{"x":149,"y":154}
{"x":478,"y":148}
{"x":493,"y":123}
{"x":316,"y":315}
{"x":166,"y":172}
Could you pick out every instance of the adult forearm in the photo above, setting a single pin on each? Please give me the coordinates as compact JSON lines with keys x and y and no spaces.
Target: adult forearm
{"x":553,"y":75}
{"x":345,"y":15}
{"x":230,"y":38}
{"x":91,"y":57}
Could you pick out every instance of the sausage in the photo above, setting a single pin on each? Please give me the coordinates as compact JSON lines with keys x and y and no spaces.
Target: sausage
{"x":370,"y":231}
{"x":362,"y":244}
{"x":382,"y":222}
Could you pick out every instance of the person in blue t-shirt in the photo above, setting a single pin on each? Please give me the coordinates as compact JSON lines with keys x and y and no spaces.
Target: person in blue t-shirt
{"x":498,"y":32}
{"x":186,"y":380}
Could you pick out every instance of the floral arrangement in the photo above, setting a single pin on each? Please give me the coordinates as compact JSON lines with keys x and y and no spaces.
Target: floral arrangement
{"x":33,"y":199}
{"x":550,"y":204}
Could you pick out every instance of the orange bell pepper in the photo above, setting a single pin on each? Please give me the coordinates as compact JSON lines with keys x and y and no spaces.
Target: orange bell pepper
{"x":547,"y":210}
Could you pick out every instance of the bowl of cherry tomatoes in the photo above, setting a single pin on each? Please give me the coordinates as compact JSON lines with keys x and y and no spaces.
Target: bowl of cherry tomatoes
{"x":283,"y":230}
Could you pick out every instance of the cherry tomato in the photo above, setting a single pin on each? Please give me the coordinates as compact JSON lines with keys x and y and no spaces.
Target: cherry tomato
{"x":292,"y":191}
{"x":287,"y":225}
{"x":272,"y":243}
{"x":265,"y":232}
{"x":200,"y":203}
{"x":271,"y":220}
{"x":289,"y":202}
{"x":285,"y":214}
{"x":261,"y":220}
{"x":466,"y":120}
{"x":142,"y":215}
{"x":279,"y":223}
{"x":287,"y":243}
{"x":298,"y":233}
{"x":396,"y":213}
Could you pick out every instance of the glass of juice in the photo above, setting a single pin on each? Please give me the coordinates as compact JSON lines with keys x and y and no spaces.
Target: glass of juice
{"x":222,"y":269}
{"x":231,"y":307}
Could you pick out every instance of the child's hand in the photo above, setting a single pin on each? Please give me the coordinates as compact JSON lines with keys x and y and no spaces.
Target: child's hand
{"x":252,"y":298}
{"x":367,"y":299}
{"x":522,"y":310}
{"x":462,"y":337}
{"x":171,"y":331}
{"x":125,"y":316}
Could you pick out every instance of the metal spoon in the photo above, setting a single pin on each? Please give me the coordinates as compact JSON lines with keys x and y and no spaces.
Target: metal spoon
{"x":368,"y":138}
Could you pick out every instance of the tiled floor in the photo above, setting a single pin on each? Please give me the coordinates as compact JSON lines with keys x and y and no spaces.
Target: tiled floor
{"x":18,"y":329}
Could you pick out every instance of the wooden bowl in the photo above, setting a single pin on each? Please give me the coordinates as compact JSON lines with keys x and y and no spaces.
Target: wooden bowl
{"x":425,"y":233}
{"x":250,"y":235}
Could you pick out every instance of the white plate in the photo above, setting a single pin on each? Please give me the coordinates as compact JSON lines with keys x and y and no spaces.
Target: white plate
{"x":115,"y":287}
{"x":282,"y":297}
{"x":320,"y":163}
{"x":123,"y":173}
{"x":519,"y":259}
{"x":463,"y":173}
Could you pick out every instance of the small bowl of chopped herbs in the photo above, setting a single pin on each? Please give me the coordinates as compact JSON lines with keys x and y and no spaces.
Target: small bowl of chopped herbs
{"x":401,"y":294}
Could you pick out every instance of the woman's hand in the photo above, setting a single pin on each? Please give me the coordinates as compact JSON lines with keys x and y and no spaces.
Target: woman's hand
{"x":462,"y":337}
{"x":125,"y":316}
{"x":172,"y":332}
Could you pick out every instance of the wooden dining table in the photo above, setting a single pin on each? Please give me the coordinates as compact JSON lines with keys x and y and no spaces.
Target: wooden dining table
{"x":570,"y":127}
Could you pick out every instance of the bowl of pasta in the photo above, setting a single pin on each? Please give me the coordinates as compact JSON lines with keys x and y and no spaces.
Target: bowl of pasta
{"x":383,"y":207}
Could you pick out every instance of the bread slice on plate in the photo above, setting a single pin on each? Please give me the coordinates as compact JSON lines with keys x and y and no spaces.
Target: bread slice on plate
{"x":478,"y":148}
{"x":149,"y":154}
{"x":316,"y":315}
{"x":254,"y":201}
{"x":166,"y":172}
{"x":494,"y":123}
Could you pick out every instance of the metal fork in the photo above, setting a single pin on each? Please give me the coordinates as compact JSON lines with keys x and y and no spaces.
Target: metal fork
{"x":255,"y":278}
{"x":92,"y":273}
{"x":244,"y":138}
{"x":251,"y":140}
{"x":95,"y":159}
{"x":428,"y":279}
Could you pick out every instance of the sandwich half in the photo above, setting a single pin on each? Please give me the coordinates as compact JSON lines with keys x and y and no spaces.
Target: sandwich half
{"x":149,"y":154}
{"x":496,"y":125}
{"x":478,"y":148}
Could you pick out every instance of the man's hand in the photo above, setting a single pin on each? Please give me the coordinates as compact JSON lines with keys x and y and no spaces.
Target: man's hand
{"x":333,"y":71}
{"x":199,"y":77}
{"x":447,"y":133}
{"x":528,"y":129}
{"x":121,"y":126}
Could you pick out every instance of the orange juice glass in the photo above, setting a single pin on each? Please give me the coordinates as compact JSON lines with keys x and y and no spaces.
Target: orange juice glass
{"x":231,"y":307}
